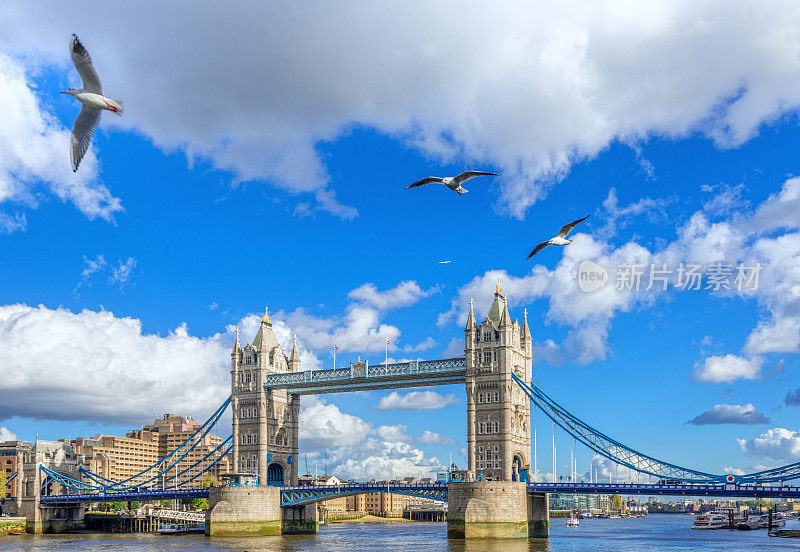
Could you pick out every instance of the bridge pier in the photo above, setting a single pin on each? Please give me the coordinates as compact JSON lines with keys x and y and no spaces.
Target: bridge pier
{"x":496,"y":510}
{"x":300,"y":520}
{"x":243,"y":511}
{"x":256,"y":511}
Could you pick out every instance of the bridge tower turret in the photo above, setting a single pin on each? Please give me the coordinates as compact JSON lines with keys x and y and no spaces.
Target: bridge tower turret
{"x":498,"y":413}
{"x":264,"y":421}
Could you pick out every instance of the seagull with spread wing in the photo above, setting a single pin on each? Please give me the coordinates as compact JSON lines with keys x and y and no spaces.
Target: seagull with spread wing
{"x":559,"y":239}
{"x":91,"y":96}
{"x":452,"y":182}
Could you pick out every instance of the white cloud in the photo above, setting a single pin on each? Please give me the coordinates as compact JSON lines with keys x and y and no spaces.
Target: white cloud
{"x":549,"y":352}
{"x":34,"y":154}
{"x":323,"y":425}
{"x":415,"y":400}
{"x":90,"y":267}
{"x":7,"y":435}
{"x":550,"y":85}
{"x":122,"y":273}
{"x":733,"y":241}
{"x":403,"y":294}
{"x":778,"y":335}
{"x":728,"y":368}
{"x":10,"y":224}
{"x":213,"y":306}
{"x":734,"y":471}
{"x":745,"y":414}
{"x":429,"y":437}
{"x":454,"y":349}
{"x":354,"y":449}
{"x":618,"y":217}
{"x":360,"y":328}
{"x":395,"y":433}
{"x":777,"y":443}
{"x":424,"y":345}
{"x":96,"y":366}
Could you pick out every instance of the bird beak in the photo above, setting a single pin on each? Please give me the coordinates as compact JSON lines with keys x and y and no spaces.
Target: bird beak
{"x":64,"y":92}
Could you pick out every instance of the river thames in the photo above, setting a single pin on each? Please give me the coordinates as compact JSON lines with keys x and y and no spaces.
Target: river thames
{"x":653,"y":533}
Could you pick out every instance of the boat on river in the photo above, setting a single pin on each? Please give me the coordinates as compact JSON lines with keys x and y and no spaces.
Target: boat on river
{"x":181,"y":528}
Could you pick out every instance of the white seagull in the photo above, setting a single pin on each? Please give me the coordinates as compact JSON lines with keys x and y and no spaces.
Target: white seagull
{"x":452,"y":182}
{"x":559,"y":239}
{"x":444,"y":262}
{"x":91,"y":96}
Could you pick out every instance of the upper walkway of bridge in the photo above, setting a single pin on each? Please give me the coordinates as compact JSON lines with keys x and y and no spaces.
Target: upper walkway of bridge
{"x":361,"y":376}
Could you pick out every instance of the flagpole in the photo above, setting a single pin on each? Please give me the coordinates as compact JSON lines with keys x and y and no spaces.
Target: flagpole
{"x":387,"y":352}
{"x":334,"y":356}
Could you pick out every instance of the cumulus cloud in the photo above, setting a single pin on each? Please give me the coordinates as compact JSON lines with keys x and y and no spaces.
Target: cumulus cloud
{"x":354,"y":449}
{"x":403,"y":294}
{"x":763,"y":259}
{"x":733,"y":471}
{"x":727,"y":368}
{"x":551,"y":85}
{"x":7,"y":435}
{"x":95,"y":366}
{"x":415,"y":400}
{"x":360,"y":327}
{"x":744,"y":414}
{"x":777,"y":443}
{"x":396,"y":433}
{"x":323,"y":426}
{"x":34,"y":155}
{"x":429,"y":437}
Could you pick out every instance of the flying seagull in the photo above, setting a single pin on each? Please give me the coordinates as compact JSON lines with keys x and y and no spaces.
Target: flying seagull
{"x":452,"y":182}
{"x":560,"y":238}
{"x":444,"y":262}
{"x":91,"y":96}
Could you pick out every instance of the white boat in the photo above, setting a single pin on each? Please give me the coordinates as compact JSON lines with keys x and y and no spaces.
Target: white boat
{"x":572,"y":522}
{"x":748,"y":523}
{"x":180,"y":528}
{"x":710,"y":520}
{"x":777,"y":522}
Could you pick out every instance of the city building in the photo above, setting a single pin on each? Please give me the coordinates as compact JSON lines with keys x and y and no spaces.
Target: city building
{"x":125,"y":458}
{"x":581,"y":502}
{"x":10,"y":457}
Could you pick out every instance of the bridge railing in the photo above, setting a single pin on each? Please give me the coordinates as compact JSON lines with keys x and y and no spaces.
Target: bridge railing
{"x":365,"y":371}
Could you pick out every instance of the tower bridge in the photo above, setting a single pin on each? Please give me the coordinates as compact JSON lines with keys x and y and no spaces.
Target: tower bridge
{"x":498,"y":499}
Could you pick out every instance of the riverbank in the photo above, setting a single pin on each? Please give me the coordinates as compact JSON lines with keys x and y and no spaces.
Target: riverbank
{"x":12,"y":526}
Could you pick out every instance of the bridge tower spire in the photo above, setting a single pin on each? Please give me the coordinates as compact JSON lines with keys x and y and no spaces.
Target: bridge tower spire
{"x":498,"y":413}
{"x":265,"y":440}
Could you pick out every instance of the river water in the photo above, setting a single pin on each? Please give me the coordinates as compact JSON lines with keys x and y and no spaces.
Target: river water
{"x":654,"y":533}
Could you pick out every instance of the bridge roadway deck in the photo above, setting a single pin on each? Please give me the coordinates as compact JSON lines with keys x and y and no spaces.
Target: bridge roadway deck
{"x":688,"y":489}
{"x":360,"y":377}
{"x":438,"y":491}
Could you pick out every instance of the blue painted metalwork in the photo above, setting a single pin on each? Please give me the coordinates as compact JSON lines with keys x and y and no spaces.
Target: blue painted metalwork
{"x":362,"y":376}
{"x":630,"y":458}
{"x":294,"y":496}
{"x":10,"y":479}
{"x":686,"y":489}
{"x":124,"y":496}
{"x":275,"y":475}
{"x":194,"y":440}
{"x":608,"y":447}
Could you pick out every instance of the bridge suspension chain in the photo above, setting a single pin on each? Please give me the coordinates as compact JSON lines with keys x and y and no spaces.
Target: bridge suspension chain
{"x":623,"y":455}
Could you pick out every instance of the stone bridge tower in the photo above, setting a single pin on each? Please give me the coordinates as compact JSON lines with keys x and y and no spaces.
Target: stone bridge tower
{"x":498,"y":412}
{"x":265,"y":422}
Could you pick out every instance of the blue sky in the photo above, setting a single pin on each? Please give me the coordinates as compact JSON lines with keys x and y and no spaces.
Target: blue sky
{"x":116,"y":309}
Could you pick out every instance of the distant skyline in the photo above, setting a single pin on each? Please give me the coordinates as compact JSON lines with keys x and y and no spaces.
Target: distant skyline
{"x":262,"y":160}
